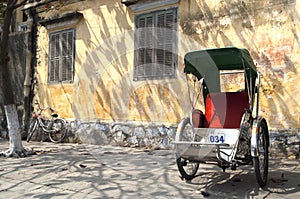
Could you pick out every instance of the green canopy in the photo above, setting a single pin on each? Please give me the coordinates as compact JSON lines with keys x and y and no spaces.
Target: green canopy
{"x":201,"y":62}
{"x":208,"y":63}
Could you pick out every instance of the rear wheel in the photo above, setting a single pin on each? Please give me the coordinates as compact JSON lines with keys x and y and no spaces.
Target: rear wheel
{"x":32,"y":129}
{"x":187,"y":168}
{"x":261,"y":163}
{"x":58,"y":130}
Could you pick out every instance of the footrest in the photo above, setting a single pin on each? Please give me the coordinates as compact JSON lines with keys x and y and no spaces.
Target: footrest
{"x":202,"y":152}
{"x":199,"y":143}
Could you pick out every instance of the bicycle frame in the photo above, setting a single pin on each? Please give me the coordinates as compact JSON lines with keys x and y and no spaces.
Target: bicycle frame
{"x":43,"y":126}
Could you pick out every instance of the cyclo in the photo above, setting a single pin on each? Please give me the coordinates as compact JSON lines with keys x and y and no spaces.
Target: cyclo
{"x":229,"y":132}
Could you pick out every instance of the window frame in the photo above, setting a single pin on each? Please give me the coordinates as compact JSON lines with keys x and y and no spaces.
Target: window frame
{"x":61,"y":57}
{"x":169,"y":71}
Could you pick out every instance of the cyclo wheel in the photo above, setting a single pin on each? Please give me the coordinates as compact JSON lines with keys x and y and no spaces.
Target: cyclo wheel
{"x":32,"y":129}
{"x":58,"y":130}
{"x":187,"y":168}
{"x":261,"y":163}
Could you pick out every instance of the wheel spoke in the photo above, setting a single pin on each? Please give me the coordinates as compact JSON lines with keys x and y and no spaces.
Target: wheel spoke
{"x":58,"y":131}
{"x":261,"y":162}
{"x":187,"y":168}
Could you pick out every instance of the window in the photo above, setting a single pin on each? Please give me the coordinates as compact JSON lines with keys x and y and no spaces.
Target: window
{"x":155,"y":45}
{"x":61,"y":60}
{"x":229,"y":79}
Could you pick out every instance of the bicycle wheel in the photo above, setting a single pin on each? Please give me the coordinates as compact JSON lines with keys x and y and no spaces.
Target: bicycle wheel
{"x":32,"y":129}
{"x":58,"y":130}
{"x":187,"y":168}
{"x":261,"y":163}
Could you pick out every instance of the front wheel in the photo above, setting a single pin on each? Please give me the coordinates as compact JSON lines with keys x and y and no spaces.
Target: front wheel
{"x":261,"y":162}
{"x":32,"y":129}
{"x":187,"y":168}
{"x":58,"y":130}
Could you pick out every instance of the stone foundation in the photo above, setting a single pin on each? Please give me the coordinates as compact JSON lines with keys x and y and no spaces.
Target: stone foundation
{"x":284,"y":143}
{"x":150,"y":136}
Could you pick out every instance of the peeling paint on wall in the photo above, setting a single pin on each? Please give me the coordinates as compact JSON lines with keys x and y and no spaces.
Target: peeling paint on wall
{"x":103,"y":88}
{"x":152,"y":102}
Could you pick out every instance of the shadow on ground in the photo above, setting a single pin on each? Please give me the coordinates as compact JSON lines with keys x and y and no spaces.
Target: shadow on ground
{"x":90,"y":171}
{"x":284,"y":180}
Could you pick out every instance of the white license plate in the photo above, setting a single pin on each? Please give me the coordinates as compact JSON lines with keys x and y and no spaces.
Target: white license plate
{"x":216,"y":138}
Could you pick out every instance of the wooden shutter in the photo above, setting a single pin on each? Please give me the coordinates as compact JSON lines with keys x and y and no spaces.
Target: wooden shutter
{"x":170,"y":39}
{"x":61,"y":59}
{"x":160,"y":44}
{"x":54,"y":58}
{"x":140,"y":52}
{"x":144,"y":52}
{"x":155,"y":54}
{"x":67,"y":56}
{"x":149,"y":48}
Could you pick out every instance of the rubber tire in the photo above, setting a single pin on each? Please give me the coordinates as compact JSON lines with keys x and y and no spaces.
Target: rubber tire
{"x":32,"y":129}
{"x":59,"y":134}
{"x":261,"y":171}
{"x":182,"y":163}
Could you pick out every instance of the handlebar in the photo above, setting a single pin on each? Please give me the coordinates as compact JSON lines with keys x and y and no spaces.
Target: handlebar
{"x":43,"y":109}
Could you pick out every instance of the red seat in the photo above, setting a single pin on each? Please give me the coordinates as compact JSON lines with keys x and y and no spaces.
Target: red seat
{"x":225,"y":110}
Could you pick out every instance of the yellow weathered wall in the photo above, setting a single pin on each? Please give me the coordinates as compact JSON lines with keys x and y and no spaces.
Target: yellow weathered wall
{"x":270,"y":31}
{"x":104,"y":89}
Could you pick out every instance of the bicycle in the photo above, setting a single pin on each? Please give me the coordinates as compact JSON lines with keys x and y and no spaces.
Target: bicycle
{"x":55,"y":127}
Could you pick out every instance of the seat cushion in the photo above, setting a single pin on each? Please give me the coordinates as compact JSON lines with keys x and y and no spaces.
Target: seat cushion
{"x":225,"y":110}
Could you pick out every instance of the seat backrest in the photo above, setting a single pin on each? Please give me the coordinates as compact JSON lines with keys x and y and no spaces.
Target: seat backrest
{"x":225,"y":110}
